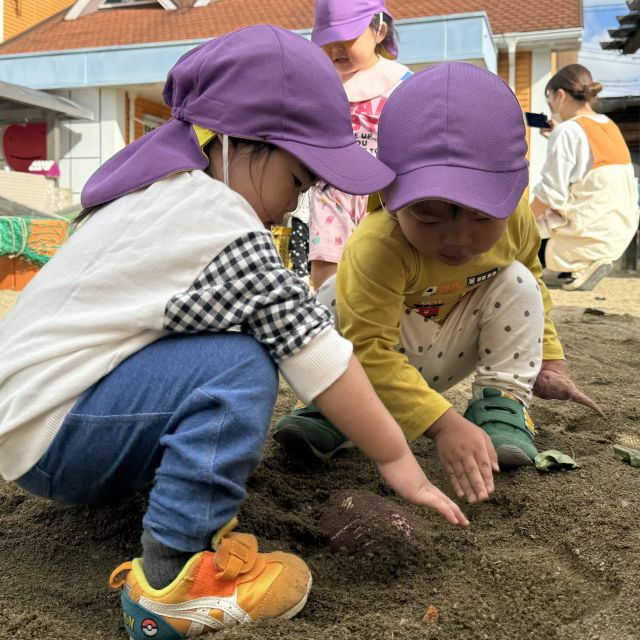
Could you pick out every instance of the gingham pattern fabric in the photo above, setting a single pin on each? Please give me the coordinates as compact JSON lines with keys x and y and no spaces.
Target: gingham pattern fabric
{"x":247,"y":286}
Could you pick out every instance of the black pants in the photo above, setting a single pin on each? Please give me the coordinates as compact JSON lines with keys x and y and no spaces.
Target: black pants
{"x":543,"y":247}
{"x":299,"y":247}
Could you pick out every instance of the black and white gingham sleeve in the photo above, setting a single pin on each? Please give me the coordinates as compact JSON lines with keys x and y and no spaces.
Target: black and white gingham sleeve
{"x":247,"y":286}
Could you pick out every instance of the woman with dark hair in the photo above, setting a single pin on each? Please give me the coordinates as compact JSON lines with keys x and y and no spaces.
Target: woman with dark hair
{"x":586,"y":200}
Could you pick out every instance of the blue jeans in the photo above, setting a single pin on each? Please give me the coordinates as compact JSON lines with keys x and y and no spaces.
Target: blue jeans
{"x":189,"y":412}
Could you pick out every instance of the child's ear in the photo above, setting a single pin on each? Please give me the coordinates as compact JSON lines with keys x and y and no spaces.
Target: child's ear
{"x":381,"y":33}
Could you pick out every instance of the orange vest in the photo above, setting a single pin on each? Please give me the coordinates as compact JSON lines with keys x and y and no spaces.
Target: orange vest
{"x":605,"y":141}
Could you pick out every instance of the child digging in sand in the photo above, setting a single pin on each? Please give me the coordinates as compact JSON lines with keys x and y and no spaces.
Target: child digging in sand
{"x":147,"y":349}
{"x":446,"y":282}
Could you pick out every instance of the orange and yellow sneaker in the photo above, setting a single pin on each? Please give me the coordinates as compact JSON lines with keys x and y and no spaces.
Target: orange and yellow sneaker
{"x":232,"y":585}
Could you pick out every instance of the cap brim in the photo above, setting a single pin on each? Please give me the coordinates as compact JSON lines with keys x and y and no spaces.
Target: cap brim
{"x":494,"y":193}
{"x":340,"y":32}
{"x":350,"y":169}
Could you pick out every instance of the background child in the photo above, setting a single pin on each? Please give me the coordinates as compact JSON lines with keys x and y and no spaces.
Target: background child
{"x":359,"y":39}
{"x":449,"y":282}
{"x":137,"y":371}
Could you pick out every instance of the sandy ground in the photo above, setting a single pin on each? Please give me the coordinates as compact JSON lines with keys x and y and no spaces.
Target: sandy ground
{"x":550,"y":556}
{"x":619,"y":295}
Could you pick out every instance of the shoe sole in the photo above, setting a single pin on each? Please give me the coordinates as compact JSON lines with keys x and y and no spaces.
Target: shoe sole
{"x":298,"y":607}
{"x":512,"y":457}
{"x":589,"y":284}
{"x":292,"y":438}
{"x":287,"y":614}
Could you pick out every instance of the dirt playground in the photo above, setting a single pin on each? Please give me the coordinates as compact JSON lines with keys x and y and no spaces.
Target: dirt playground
{"x":551,"y":556}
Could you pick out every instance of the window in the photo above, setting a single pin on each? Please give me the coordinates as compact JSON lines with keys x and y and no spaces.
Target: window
{"x":121,"y":3}
{"x":84,"y":7}
{"x":149,"y":123}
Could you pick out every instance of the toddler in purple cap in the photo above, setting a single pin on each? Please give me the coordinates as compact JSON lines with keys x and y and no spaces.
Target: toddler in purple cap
{"x":360,"y":40}
{"x":147,"y":350}
{"x":446,"y":282}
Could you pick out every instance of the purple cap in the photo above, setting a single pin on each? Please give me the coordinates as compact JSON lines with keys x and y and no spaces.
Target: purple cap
{"x":340,"y":20}
{"x":258,"y":83}
{"x":454,"y":132}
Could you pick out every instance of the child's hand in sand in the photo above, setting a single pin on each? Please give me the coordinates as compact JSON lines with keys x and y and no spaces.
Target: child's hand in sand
{"x":408,"y":480}
{"x":467,"y":455}
{"x":553,"y":383}
{"x":352,"y":405}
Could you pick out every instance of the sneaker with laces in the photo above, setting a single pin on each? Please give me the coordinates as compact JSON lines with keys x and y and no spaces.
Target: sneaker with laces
{"x":232,"y":585}
{"x":506,"y":421}
{"x":306,"y":431}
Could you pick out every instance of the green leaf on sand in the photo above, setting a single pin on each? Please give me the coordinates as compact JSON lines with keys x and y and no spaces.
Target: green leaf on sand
{"x":627,"y":455}
{"x":552,"y":460}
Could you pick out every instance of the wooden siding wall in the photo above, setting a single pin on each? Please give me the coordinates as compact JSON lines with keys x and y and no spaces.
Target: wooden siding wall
{"x":143,"y":107}
{"x":523,"y":78}
{"x":561,"y":59}
{"x":20,"y":15}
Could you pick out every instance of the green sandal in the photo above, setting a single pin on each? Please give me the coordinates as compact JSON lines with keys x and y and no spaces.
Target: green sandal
{"x":306,"y":430}
{"x":507,"y":423}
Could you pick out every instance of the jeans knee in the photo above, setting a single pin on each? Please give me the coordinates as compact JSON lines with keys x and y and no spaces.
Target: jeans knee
{"x":261,"y":368}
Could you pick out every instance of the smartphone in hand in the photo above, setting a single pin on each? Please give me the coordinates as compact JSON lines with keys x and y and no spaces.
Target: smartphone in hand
{"x":538,"y":120}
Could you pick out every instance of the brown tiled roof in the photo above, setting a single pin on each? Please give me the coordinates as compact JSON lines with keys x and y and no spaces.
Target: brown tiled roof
{"x":113,"y":27}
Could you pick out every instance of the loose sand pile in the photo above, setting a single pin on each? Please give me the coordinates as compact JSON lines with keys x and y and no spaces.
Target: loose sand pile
{"x":549,"y":557}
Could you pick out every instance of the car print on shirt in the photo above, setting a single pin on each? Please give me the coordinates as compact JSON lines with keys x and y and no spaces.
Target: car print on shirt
{"x":447,"y":287}
{"x":427,"y":310}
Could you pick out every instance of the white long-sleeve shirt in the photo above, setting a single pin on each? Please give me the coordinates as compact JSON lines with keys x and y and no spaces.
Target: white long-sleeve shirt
{"x":185,"y":255}
{"x":568,"y":161}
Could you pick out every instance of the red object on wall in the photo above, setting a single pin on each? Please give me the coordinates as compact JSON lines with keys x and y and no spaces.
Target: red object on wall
{"x":24,"y":143}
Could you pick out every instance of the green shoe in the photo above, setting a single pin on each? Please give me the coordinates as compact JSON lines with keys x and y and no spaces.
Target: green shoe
{"x":306,"y":430}
{"x":507,"y":423}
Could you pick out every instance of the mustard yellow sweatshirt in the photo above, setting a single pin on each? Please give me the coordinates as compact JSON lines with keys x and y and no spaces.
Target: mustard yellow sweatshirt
{"x":381,"y":276}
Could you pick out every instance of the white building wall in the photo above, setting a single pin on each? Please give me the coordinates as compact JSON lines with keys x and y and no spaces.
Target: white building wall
{"x":540,"y":75}
{"x":84,"y":146}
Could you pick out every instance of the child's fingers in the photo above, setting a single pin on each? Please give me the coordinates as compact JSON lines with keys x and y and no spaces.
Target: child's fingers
{"x":484,"y":466}
{"x":458,"y":472}
{"x":474,"y":473}
{"x":454,"y":482}
{"x":434,"y":499}
{"x":493,"y":456}
{"x":461,"y":519}
{"x":470,"y":480}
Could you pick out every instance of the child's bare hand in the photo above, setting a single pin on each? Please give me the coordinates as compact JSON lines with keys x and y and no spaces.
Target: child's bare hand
{"x":553,"y":383}
{"x":467,"y":454}
{"x":407,"y":479}
{"x":352,"y":405}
